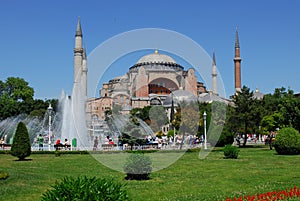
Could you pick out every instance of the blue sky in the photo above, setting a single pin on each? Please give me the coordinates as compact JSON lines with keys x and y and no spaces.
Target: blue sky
{"x":37,"y":37}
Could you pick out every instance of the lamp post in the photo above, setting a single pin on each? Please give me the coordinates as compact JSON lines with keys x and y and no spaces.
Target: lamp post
{"x":49,"y":131}
{"x":205,"y":140}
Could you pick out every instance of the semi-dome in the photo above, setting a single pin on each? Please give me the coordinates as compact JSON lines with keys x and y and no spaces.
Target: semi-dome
{"x":156,"y":58}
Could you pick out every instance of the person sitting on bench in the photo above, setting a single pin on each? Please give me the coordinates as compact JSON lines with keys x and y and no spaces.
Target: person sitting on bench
{"x":67,"y":144}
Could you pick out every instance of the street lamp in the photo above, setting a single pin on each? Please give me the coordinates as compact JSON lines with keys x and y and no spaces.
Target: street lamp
{"x":49,"y":131}
{"x":205,"y":140}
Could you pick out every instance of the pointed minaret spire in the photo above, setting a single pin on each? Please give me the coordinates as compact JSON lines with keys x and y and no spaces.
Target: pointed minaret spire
{"x":78,"y":54}
{"x":237,"y":43}
{"x":78,"y":29}
{"x":214,"y":74}
{"x":237,"y":64}
{"x":214,"y":59}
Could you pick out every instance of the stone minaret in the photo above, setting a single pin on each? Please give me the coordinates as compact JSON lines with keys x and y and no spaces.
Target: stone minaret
{"x":78,"y":54}
{"x":237,"y":63}
{"x":84,"y":74}
{"x":214,"y":74}
{"x":80,"y":62}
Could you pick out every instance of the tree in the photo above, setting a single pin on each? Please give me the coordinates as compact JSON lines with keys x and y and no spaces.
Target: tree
{"x":132,"y":134}
{"x":282,"y":109}
{"x":244,"y":114}
{"x":21,"y":142}
{"x":190,"y":116}
{"x":158,"y":117}
{"x":16,"y":97}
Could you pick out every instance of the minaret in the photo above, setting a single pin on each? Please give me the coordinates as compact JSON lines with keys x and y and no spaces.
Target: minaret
{"x":78,"y":54}
{"x":214,"y":74}
{"x":237,"y":63}
{"x":84,"y":74}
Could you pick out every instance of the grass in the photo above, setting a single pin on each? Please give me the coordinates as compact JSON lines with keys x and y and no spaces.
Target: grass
{"x":257,"y":170}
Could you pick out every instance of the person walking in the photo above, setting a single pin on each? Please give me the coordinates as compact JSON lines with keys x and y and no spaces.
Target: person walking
{"x":95,"y":143}
{"x":40,"y":142}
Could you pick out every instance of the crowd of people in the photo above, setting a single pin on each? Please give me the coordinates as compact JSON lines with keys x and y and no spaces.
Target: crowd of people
{"x":266,"y":139}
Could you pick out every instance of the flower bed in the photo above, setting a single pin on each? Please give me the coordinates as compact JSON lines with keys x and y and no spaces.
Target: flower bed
{"x":270,"y":196}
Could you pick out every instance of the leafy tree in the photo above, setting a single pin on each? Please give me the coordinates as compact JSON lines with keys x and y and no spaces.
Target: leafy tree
{"x":142,"y":113}
{"x":18,"y":89}
{"x":16,"y":97}
{"x":281,"y":109}
{"x":272,"y":122}
{"x":21,"y":142}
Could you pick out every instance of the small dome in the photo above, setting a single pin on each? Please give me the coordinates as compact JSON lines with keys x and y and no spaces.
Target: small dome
{"x":156,"y":58}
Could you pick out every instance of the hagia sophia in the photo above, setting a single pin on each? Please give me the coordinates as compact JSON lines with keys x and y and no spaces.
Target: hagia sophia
{"x":150,"y":81}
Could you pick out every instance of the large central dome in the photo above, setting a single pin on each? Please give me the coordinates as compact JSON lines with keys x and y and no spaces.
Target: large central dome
{"x":156,"y":58}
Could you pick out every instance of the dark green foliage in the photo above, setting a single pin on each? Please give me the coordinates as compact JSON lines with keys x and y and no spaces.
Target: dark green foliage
{"x":171,"y":133}
{"x":226,"y":137}
{"x":86,"y":189}
{"x":132,"y":134}
{"x":21,"y":143}
{"x":138,"y":167}
{"x":231,"y":151}
{"x":3,"y":175}
{"x":287,"y":141}
{"x":16,"y":97}
{"x":245,"y":114}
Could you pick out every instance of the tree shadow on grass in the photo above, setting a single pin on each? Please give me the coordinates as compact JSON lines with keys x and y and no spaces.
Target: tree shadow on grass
{"x":25,"y":159}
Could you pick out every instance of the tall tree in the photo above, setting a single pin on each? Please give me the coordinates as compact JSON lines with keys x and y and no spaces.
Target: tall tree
{"x":244,"y":111}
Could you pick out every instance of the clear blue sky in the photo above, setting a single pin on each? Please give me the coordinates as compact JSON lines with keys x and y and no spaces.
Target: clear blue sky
{"x":37,"y":37}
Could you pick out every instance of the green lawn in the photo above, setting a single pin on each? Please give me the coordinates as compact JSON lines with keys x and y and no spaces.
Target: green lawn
{"x":257,"y":170}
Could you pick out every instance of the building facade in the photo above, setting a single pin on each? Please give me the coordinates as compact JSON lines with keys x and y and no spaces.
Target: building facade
{"x":148,"y":82}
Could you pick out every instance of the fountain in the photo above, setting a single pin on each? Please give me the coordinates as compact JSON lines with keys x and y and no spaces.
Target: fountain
{"x":74,"y":119}
{"x":35,"y":126}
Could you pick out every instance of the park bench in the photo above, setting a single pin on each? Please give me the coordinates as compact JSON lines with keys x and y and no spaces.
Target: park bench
{"x":5,"y":146}
{"x":108,"y":147}
{"x":62,"y":146}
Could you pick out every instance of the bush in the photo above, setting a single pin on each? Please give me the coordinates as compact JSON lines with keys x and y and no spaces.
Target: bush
{"x":287,"y":141}
{"x":138,"y":167}
{"x":21,"y":143}
{"x":87,"y":189}
{"x":3,"y":175}
{"x":231,"y":151}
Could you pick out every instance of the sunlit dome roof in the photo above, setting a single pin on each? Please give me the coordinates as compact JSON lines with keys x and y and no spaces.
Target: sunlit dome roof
{"x":156,"y":58}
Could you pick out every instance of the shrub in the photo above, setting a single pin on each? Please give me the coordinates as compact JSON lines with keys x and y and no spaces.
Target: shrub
{"x":138,"y":167}
{"x":21,"y":143}
{"x":87,"y":189}
{"x":231,"y":151}
{"x":287,"y":141}
{"x":3,"y":175}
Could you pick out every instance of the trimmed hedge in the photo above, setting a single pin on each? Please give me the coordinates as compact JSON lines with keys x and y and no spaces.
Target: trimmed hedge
{"x":287,"y":141}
